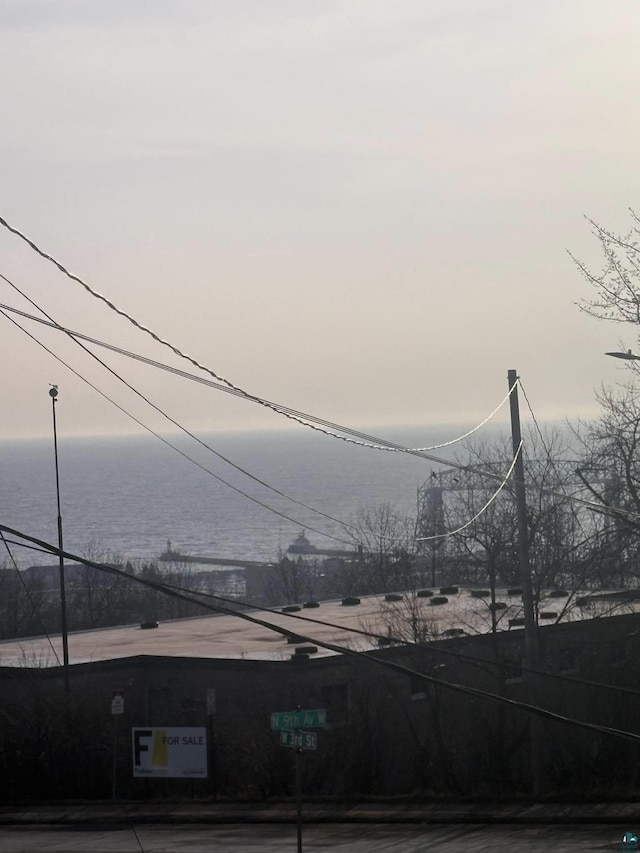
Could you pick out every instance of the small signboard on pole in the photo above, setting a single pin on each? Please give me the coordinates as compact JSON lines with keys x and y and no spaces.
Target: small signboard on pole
{"x":117,"y":708}
{"x":315,"y":718}
{"x":299,"y":740}
{"x":117,"y":702}
{"x":211,"y":701}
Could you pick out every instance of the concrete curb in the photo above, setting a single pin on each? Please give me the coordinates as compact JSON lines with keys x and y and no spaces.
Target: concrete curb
{"x":125,"y":814}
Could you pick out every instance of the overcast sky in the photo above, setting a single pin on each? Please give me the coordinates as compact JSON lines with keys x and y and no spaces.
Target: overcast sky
{"x":360,"y":209}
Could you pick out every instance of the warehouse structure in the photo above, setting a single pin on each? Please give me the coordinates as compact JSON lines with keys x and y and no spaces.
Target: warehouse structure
{"x":397,"y":721}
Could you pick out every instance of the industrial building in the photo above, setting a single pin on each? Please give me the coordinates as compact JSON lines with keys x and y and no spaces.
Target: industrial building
{"x":398,"y":719}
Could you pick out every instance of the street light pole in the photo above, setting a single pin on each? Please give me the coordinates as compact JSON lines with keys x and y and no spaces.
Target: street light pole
{"x":626,"y":356}
{"x":53,"y":393}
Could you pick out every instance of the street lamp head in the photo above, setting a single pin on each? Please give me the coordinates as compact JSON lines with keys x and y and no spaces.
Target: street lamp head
{"x":53,"y":391}
{"x":627,"y":356}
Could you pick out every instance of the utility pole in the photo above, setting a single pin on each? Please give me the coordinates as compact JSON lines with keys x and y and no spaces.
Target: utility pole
{"x":53,"y":393}
{"x":530,"y":624}
{"x":532,"y":652}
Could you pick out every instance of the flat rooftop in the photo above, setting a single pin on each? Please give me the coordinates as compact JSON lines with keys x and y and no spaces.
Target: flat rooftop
{"x":232,"y":637}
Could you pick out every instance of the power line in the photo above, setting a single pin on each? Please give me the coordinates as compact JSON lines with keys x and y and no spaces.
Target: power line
{"x":204,"y":444}
{"x":52,"y":323}
{"x":144,"y":328}
{"x":368,"y":658}
{"x":261,"y":401}
{"x":435,"y":646}
{"x":27,"y":591}
{"x":390,"y":445}
{"x":200,"y":441}
{"x":373,"y":442}
{"x":370,"y":439}
{"x":484,"y":508}
{"x":559,"y":479}
{"x":72,"y":334}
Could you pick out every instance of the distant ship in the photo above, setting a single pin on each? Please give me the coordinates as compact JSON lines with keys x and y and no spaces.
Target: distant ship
{"x":303,"y":548}
{"x":301,"y":545}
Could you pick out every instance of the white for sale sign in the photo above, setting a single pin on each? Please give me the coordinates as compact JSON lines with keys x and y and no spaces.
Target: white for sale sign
{"x":170,"y":752}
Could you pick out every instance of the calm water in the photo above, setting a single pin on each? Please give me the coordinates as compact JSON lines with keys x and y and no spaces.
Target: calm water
{"x":129,"y":495}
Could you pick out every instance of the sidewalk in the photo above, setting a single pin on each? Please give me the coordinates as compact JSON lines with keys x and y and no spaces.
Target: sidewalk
{"x":107,"y":814}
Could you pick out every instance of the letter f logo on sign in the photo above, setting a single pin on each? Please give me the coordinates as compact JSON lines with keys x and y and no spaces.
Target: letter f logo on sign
{"x":138,"y":746}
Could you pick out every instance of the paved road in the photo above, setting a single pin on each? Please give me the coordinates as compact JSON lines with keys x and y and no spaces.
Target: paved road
{"x":342,"y":838}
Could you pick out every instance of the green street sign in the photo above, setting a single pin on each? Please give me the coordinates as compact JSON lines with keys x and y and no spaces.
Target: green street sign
{"x":299,"y":740}
{"x":286,"y":720}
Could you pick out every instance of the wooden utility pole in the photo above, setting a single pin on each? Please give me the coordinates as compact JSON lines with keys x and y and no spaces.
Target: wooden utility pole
{"x":531,"y":646}
{"x":530,"y":625}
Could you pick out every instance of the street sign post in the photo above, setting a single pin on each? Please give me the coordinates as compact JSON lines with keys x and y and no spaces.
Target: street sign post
{"x":117,"y":708}
{"x":289,"y":724}
{"x":290,"y":720}
{"x":299,"y":740}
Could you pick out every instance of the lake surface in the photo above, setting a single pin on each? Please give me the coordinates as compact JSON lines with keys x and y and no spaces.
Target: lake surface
{"x":129,"y":495}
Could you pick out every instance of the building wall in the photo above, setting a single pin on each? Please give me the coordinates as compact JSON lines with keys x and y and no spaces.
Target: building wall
{"x":389,"y":731}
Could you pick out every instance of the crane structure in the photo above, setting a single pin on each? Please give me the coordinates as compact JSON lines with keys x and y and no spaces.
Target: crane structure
{"x":560,"y":476}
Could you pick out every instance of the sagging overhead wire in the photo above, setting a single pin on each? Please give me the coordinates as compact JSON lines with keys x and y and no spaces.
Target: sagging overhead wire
{"x":345,"y":524}
{"x":596,"y":507}
{"x":74,"y":335}
{"x":7,"y":542}
{"x":50,"y":322}
{"x":483,"y":509}
{"x":242,"y":392}
{"x":368,"y":658}
{"x":186,"y":455}
{"x":371,"y":442}
{"x":282,"y":410}
{"x":554,"y":467}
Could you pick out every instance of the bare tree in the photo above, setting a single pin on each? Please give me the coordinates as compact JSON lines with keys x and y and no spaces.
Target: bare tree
{"x":610,"y":470}
{"x":383,"y":544}
{"x":291,"y":581}
{"x":616,"y":287}
{"x":484,"y":551}
{"x":610,"y":467}
{"x":410,"y":620}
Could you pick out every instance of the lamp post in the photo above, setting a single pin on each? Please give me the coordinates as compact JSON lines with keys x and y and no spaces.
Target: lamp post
{"x":626,"y":356}
{"x":53,"y":393}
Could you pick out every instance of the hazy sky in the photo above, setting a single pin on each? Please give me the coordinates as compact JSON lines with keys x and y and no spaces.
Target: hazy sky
{"x":359,"y":208}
